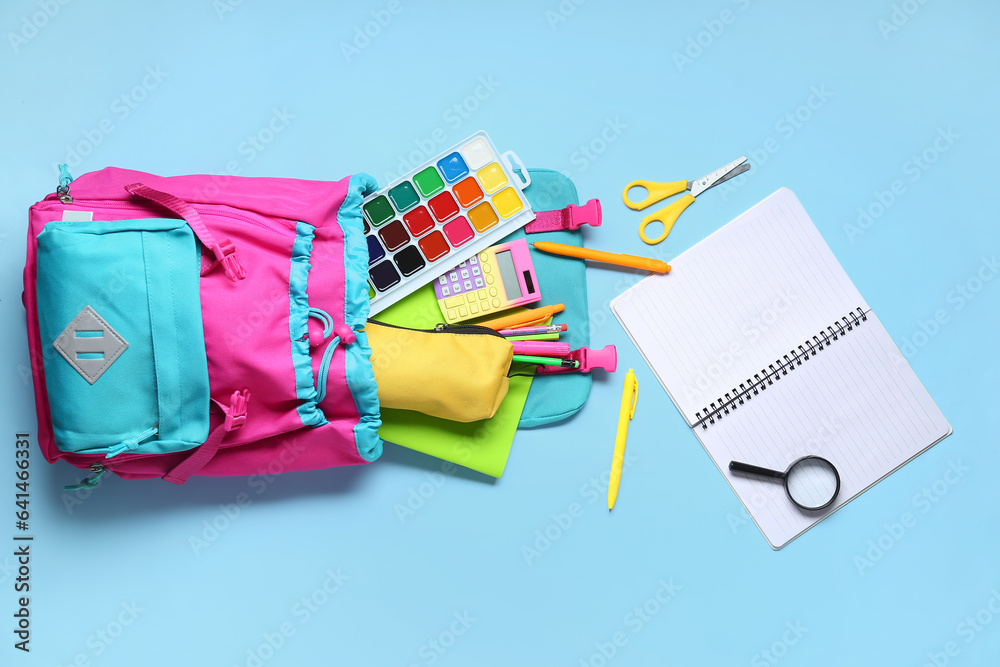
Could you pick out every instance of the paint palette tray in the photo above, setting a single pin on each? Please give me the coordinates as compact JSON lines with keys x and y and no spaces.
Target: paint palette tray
{"x":440,"y":214}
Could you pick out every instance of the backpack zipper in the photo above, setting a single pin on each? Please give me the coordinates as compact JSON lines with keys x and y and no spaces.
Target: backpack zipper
{"x":96,"y":204}
{"x":63,"y":195}
{"x":473,"y":329}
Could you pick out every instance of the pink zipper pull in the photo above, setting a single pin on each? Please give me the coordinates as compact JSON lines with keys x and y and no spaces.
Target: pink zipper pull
{"x":224,"y":250}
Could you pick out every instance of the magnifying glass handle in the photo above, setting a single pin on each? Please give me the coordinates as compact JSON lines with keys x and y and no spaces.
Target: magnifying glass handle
{"x":736,"y":466}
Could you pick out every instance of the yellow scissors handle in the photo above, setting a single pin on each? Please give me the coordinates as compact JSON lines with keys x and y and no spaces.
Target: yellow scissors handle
{"x":654,"y":192}
{"x":667,"y":215}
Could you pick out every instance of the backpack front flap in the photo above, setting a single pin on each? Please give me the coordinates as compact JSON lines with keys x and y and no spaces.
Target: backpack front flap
{"x":125,"y":366}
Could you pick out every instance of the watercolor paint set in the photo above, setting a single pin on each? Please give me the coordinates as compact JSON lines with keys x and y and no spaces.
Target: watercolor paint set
{"x":447,"y":210}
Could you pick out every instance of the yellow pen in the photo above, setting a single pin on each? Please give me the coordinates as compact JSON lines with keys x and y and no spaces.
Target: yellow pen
{"x":625,"y":414}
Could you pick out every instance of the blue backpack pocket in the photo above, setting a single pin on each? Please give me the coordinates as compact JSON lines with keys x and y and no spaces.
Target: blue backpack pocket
{"x":119,"y":313}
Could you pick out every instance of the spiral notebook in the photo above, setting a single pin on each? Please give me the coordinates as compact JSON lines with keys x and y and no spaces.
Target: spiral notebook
{"x":770,"y":353}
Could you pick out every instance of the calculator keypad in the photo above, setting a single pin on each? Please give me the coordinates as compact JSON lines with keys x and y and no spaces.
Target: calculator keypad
{"x":466,"y":291}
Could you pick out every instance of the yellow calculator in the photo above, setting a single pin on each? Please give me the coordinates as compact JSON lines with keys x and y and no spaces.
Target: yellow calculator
{"x":500,"y":277}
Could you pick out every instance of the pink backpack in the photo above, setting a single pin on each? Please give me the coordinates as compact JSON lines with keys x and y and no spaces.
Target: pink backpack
{"x":200,"y":325}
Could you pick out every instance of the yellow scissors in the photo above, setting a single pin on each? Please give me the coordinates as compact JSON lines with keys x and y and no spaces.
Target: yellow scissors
{"x":659,"y":191}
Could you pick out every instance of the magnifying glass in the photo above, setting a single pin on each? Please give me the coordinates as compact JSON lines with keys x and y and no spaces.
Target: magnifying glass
{"x":812,"y":482}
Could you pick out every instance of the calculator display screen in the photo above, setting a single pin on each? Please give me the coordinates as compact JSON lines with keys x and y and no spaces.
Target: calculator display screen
{"x":508,"y":274}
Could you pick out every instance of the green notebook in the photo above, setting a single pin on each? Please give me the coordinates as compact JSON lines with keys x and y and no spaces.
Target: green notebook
{"x":482,"y":445}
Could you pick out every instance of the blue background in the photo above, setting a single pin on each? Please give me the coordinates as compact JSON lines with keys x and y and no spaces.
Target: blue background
{"x":599,"y":91}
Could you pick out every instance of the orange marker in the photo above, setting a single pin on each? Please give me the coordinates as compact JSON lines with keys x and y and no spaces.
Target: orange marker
{"x":633,"y":261}
{"x":525,"y":318}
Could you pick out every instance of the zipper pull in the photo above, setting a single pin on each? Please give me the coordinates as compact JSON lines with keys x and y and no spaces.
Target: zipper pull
{"x":440,"y":326}
{"x":128,"y":444}
{"x":98,"y":471}
{"x":62,"y":191}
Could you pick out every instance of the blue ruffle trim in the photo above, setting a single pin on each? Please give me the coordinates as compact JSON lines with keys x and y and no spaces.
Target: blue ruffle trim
{"x":360,"y":375}
{"x":298,"y":326}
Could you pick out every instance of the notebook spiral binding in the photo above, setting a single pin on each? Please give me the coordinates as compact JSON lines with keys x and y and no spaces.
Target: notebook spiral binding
{"x":716,"y":410}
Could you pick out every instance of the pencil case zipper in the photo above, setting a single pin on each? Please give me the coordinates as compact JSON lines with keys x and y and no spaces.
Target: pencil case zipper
{"x":466,"y":329}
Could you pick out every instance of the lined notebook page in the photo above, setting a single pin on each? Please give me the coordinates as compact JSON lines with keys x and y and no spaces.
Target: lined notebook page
{"x":736,"y":302}
{"x":857,"y":404}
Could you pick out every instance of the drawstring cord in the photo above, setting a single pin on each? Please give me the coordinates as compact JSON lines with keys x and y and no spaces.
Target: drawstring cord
{"x":344,"y":334}
{"x":324,"y":368}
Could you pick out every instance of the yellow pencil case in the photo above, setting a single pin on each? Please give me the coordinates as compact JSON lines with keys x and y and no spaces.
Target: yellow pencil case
{"x":457,"y":373}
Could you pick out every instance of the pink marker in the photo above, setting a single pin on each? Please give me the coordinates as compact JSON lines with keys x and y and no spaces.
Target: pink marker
{"x":606,"y":358}
{"x":542,"y":348}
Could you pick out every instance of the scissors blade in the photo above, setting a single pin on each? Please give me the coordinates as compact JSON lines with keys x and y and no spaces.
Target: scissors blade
{"x":720,"y":175}
{"x":733,"y":174}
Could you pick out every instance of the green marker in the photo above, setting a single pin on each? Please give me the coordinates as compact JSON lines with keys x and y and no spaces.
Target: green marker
{"x":545,"y":361}
{"x":548,"y":336}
